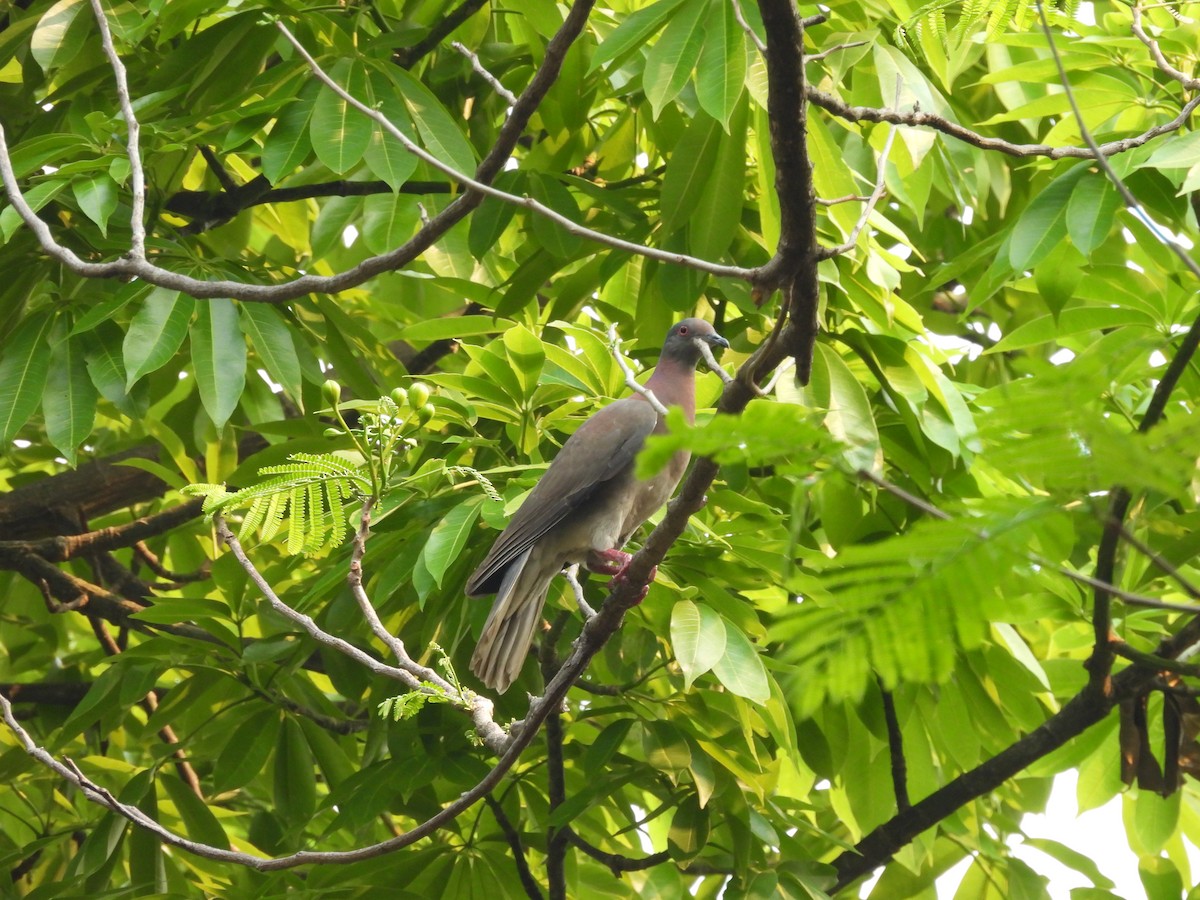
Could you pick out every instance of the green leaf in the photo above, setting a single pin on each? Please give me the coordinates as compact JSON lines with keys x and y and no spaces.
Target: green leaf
{"x":1180,"y":151}
{"x":849,"y":418}
{"x":60,"y":33}
{"x":448,"y":538}
{"x":454,"y":327}
{"x":439,"y":131}
{"x":272,"y":341}
{"x":665,"y":746}
{"x":718,"y":213}
{"x":492,"y":218}
{"x":288,"y":144}
{"x":340,"y":133}
{"x":156,"y":332}
{"x":198,"y":820}
{"x":36,"y":197}
{"x":1160,"y":878}
{"x":106,"y":367}
{"x":245,"y":753}
{"x":633,"y":31}
{"x":689,"y":829}
{"x":24,"y":365}
{"x":295,"y":780}
{"x":97,"y":198}
{"x":1044,"y":222}
{"x":1150,"y":820}
{"x":69,"y":399}
{"x":688,"y":171}
{"x":721,"y":69}
{"x":108,"y":307}
{"x":385,"y":155}
{"x":740,"y":669}
{"x":549,"y":191}
{"x":219,"y":357}
{"x":697,"y":637}
{"x":1090,"y":212}
{"x":389,"y":220}
{"x":525,"y":353}
{"x":669,"y":63}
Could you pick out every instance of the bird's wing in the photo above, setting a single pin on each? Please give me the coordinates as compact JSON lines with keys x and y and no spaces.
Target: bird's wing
{"x":600,"y":450}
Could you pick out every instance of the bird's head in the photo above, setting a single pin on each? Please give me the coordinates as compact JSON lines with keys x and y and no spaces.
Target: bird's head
{"x":685,"y":339}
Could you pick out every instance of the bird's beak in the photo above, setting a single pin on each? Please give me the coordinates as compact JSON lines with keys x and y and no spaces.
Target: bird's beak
{"x":715,"y":340}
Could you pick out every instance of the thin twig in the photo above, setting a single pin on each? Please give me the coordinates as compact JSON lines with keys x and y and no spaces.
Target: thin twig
{"x":1157,"y":663}
{"x":813,"y":57}
{"x":848,"y":198}
{"x":505,"y":94}
{"x":896,"y":750}
{"x":137,"y":178}
{"x":566,"y":223}
{"x":873,"y":200}
{"x":1165,"y":565}
{"x":616,"y":862}
{"x":1160,"y":60}
{"x":518,"y":851}
{"x":741,"y":20}
{"x":571,"y":573}
{"x":711,"y":361}
{"x":630,"y":381}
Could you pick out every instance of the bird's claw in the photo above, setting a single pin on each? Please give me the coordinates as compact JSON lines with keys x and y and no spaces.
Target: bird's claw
{"x":608,"y":562}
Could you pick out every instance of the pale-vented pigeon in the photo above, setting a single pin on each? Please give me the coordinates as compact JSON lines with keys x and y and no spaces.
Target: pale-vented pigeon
{"x":584,"y":508}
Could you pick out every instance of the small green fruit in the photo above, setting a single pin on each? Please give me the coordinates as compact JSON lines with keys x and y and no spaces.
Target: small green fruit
{"x":418,"y":394}
{"x":332,"y":392}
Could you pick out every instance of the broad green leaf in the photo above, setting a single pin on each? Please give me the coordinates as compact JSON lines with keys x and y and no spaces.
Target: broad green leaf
{"x":60,"y":33}
{"x":328,"y":232}
{"x":37,"y":197}
{"x":1091,"y":211}
{"x":272,"y":341}
{"x":633,"y":31}
{"x":107,"y":308}
{"x":1150,"y":820}
{"x":389,"y":220}
{"x":689,"y":829}
{"x":439,"y":131}
{"x":688,"y":171}
{"x":288,"y":144}
{"x":697,"y":637}
{"x":1044,"y":222}
{"x":69,"y":399}
{"x":1074,"y":320}
{"x":454,"y":327}
{"x":340,"y":133}
{"x":97,"y":198}
{"x":1181,"y":151}
{"x":549,"y":191}
{"x":740,"y":669}
{"x":526,"y":355}
{"x":721,"y":69}
{"x":718,"y":214}
{"x":492,"y":218}
{"x":156,"y":332}
{"x":295,"y":780}
{"x":849,"y":417}
{"x":245,"y":753}
{"x":24,"y":365}
{"x":106,"y":367}
{"x":199,"y":822}
{"x":665,"y":746}
{"x":448,"y":538}
{"x":669,"y":63}
{"x":385,"y":155}
{"x":219,"y":358}
{"x":1160,"y":878}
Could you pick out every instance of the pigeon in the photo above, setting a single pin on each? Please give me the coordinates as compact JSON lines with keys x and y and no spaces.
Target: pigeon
{"x":584,"y":508}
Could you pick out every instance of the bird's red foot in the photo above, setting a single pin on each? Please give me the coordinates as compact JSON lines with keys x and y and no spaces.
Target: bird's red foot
{"x":616,"y":564}
{"x":608,"y":562}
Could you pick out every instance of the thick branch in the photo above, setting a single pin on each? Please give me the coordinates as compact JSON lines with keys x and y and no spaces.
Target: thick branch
{"x":407,"y":57}
{"x":518,"y":852}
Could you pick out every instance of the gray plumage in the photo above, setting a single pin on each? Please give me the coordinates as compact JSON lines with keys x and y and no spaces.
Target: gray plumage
{"x":586,"y":506}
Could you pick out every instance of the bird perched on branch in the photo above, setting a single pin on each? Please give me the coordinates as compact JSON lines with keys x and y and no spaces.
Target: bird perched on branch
{"x":584,"y":508}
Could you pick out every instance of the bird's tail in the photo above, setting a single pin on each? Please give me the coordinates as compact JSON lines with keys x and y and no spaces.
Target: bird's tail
{"x":509,"y":628}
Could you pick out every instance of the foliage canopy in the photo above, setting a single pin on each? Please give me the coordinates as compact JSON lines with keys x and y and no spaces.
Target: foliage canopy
{"x":947,"y":546}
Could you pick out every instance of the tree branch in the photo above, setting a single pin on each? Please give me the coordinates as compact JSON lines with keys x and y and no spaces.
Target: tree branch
{"x":557,"y":838}
{"x":518,"y":851}
{"x":896,"y":750}
{"x":409,"y":56}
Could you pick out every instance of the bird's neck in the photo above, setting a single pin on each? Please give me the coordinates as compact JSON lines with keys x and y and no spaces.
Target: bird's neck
{"x":674,"y":384}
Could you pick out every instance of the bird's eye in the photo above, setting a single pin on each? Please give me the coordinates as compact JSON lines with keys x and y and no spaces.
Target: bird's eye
{"x":683,"y":329}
